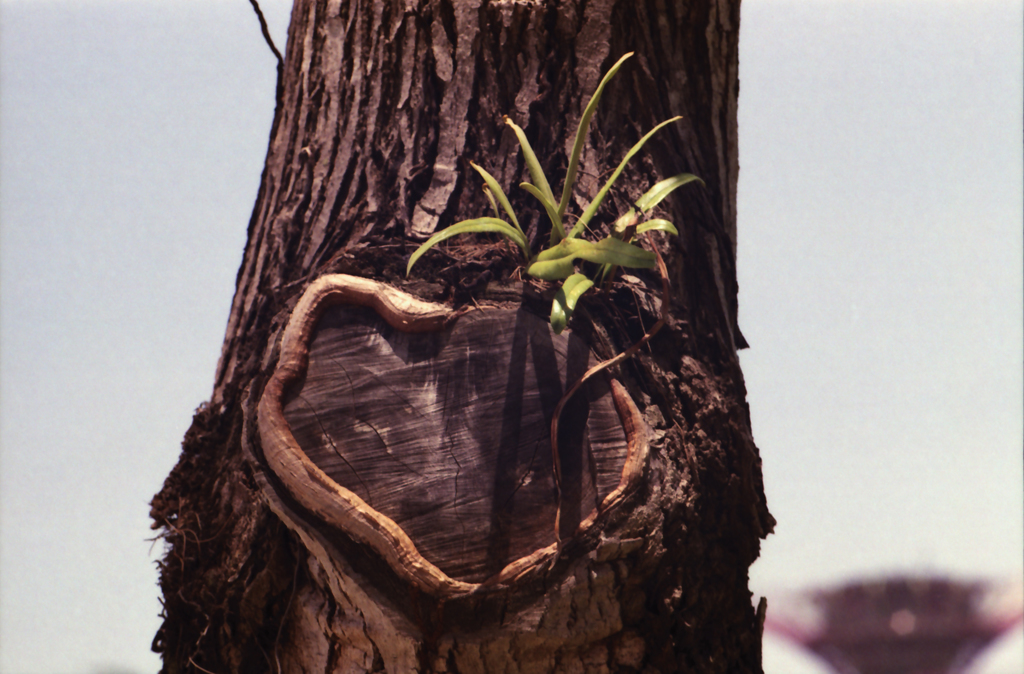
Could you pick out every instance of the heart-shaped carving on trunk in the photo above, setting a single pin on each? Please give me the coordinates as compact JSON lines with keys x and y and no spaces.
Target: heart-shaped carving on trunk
{"x":424,"y":433}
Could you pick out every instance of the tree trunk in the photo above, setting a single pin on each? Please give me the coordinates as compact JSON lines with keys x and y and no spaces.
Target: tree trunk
{"x":288,"y":550}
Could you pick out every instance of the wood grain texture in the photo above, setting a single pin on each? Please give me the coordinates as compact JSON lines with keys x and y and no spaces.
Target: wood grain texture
{"x":424,"y":432}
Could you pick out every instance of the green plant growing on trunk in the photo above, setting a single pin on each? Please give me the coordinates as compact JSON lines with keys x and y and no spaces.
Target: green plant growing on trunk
{"x":557,"y":262}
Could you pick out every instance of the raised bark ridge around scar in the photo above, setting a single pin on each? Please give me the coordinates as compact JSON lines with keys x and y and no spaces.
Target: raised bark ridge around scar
{"x":422,"y":432}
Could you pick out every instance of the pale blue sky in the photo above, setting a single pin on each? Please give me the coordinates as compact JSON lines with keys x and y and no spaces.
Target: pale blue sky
{"x":880,"y":264}
{"x":880,"y":268}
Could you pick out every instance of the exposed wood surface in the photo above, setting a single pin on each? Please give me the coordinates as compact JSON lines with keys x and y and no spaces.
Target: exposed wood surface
{"x":446,"y":433}
{"x":431,"y":443}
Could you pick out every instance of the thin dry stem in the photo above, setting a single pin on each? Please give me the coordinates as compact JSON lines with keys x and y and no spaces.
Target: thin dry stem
{"x":666,"y":299}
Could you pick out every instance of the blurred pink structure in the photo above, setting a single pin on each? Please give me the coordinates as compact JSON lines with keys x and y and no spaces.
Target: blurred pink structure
{"x":900,"y":624}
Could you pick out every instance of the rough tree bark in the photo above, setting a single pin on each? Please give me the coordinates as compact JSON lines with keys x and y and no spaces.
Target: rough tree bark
{"x":382,"y":103}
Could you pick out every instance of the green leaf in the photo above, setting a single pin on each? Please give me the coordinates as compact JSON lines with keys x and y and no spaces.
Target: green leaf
{"x":596,"y":203}
{"x":495,"y":188}
{"x":605,"y":271}
{"x":479,"y":225}
{"x":571,"y":290}
{"x":541,"y":189}
{"x":663,"y":188}
{"x":552,"y":270}
{"x":625,"y":221}
{"x":565,"y":300}
{"x":557,"y":262}
{"x":657,"y":225}
{"x":536,"y":172}
{"x":581,"y":135}
{"x":494,"y":204}
{"x":557,"y":232}
{"x":558,"y":318}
